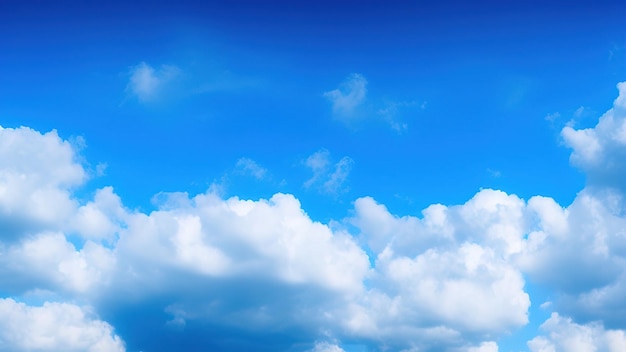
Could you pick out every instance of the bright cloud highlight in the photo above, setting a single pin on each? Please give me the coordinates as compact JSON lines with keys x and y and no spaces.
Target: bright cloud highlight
{"x":54,"y":327}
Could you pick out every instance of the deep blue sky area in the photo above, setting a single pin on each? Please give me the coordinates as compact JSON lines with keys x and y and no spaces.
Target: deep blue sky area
{"x":411,"y":103}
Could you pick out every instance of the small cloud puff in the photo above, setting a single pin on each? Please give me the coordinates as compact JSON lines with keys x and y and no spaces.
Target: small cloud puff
{"x":330,"y":180}
{"x":350,"y":94}
{"x":147,"y":84}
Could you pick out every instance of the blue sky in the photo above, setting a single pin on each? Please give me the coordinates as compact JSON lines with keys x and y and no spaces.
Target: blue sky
{"x":312,"y":176}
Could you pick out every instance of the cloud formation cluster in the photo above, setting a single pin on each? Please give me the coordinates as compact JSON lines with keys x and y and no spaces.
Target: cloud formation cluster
{"x":451,"y":278}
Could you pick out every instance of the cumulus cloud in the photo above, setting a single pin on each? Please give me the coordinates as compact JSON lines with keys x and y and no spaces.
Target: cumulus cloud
{"x":450,"y":278}
{"x":449,"y":269}
{"x":600,"y":151}
{"x":37,"y":175}
{"x":578,"y":251}
{"x":269,"y":238}
{"x":54,"y":327}
{"x":488,"y":346}
{"x":350,"y":94}
{"x":49,"y":261}
{"x":147,"y":84}
{"x":562,"y":334}
{"x":329,"y":180}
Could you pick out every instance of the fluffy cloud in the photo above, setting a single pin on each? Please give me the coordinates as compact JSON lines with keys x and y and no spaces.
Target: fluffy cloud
{"x":451,"y":278}
{"x":37,"y":174}
{"x":329,"y":180}
{"x":578,"y":251}
{"x":350,"y":94}
{"x":54,"y":327}
{"x":489,"y":346}
{"x":269,"y":238}
{"x":491,"y":217}
{"x":579,"y":248}
{"x":147,"y":84}
{"x":562,"y":334}
{"x":49,"y":261}
{"x":600,"y":151}
{"x":101,"y":218}
{"x":446,"y":276}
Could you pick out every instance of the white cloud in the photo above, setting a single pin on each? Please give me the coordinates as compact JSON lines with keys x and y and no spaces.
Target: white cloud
{"x":272,"y":241}
{"x":451,"y":278}
{"x":466,"y":289}
{"x":331,"y":182}
{"x":489,"y":346}
{"x":449,"y":269}
{"x":562,"y":334}
{"x":350,"y":94}
{"x":578,"y":251}
{"x":53,"y":327}
{"x":271,"y":238}
{"x":490,"y":217}
{"x":326,"y":347}
{"x":250,"y":167}
{"x":148,"y":84}
{"x":100,"y":218}
{"x":49,"y":261}
{"x":600,"y":151}
{"x":37,"y":174}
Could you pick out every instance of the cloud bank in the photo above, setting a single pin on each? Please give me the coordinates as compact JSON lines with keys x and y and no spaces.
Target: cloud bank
{"x":263,"y":274}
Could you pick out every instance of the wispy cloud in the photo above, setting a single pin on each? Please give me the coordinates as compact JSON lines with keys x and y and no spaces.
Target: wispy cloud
{"x":147,"y":83}
{"x":338,"y":177}
{"x":350,"y":103}
{"x":348,"y":96}
{"x":318,"y":163}
{"x":392,"y":112}
{"x":330,"y":180}
{"x":250,"y":167}
{"x":552,"y":116}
